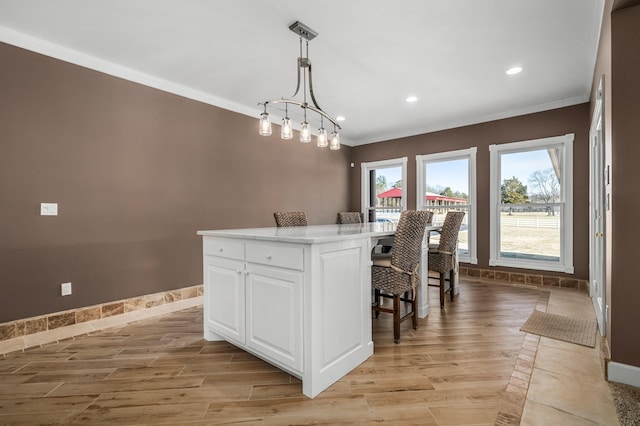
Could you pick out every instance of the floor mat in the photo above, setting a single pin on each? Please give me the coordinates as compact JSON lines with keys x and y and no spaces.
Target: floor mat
{"x":579,"y":331}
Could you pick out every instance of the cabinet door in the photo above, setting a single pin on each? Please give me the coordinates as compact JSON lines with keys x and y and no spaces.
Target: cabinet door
{"x":274,"y":314}
{"x":225,"y":295}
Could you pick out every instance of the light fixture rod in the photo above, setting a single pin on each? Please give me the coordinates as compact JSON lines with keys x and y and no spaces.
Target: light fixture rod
{"x":313,"y":98}
{"x":306,"y":106}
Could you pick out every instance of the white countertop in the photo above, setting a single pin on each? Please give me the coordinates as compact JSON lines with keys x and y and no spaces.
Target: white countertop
{"x":308,"y":234}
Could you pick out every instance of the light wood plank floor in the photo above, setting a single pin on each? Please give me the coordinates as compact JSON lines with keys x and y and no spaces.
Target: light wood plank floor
{"x":466,"y":364}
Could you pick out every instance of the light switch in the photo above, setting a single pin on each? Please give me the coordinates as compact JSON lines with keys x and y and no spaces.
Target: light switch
{"x":65,"y":289}
{"x":48,"y":209}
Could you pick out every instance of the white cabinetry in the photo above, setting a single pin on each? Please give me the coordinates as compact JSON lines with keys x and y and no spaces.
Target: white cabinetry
{"x":224,"y":307}
{"x":274,"y":314}
{"x":297,"y":298}
{"x":255,"y":306}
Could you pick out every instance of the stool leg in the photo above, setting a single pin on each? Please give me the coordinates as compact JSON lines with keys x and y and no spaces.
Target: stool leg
{"x":442,"y":290}
{"x":414,"y":306}
{"x":452,"y":279}
{"x":396,"y":318}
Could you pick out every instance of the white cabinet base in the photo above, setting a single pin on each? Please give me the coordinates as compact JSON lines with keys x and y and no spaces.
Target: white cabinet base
{"x":303,"y":307}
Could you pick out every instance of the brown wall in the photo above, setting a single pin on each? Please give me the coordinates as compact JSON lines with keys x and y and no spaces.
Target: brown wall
{"x":136,"y":172}
{"x":556,"y":122}
{"x":625,"y":155}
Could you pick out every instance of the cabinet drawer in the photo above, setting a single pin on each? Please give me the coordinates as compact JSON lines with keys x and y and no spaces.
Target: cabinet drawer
{"x":275,"y":255}
{"x":224,"y":247}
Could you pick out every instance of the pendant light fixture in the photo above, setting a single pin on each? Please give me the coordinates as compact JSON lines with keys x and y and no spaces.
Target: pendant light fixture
{"x":286,"y":130}
{"x":265,"y":123}
{"x":304,"y":74}
{"x":322,"y":135}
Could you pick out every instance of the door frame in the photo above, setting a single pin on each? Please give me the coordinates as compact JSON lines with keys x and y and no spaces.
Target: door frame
{"x":366,"y":192}
{"x":598,"y":206}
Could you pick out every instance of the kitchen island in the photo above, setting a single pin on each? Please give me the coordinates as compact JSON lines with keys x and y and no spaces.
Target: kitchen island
{"x":296,"y":297}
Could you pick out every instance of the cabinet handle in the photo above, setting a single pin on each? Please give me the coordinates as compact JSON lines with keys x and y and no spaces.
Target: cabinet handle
{"x":268,"y":256}
{"x":220,"y":249}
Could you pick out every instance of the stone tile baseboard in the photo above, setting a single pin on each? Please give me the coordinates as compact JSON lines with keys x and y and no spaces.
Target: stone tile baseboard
{"x":523,"y":278}
{"x":27,"y":326}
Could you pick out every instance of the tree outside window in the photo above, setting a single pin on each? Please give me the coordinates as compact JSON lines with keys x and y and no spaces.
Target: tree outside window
{"x":513,"y":191}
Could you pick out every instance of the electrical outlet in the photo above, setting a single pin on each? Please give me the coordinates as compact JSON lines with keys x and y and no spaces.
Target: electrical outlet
{"x":65,"y":289}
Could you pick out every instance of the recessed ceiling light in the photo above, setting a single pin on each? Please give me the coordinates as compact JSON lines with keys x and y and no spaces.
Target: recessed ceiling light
{"x":340,"y":118}
{"x":514,"y":70}
{"x":411,"y":99}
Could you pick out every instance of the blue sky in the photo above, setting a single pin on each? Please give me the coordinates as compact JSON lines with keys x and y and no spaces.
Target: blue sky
{"x":454,"y":174}
{"x":522,"y":164}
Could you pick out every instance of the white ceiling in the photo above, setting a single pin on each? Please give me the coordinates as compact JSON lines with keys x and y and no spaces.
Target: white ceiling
{"x":369,"y":55}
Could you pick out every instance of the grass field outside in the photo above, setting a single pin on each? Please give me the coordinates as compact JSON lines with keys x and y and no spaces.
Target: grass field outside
{"x":532,"y":234}
{"x":528,"y":234}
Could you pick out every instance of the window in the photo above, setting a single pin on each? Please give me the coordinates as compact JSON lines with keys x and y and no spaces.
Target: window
{"x":383,"y":197}
{"x":532,"y":204}
{"x":447,"y":182}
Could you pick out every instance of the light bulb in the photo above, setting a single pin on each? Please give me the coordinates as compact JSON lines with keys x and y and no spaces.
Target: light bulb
{"x":286,"y":131}
{"x":334,"y":144}
{"x":322,"y":138}
{"x":305,"y":133}
{"x":265,"y":125}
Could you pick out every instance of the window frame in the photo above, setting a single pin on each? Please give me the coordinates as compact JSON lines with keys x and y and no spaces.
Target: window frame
{"x":365,"y":173}
{"x":421,"y":185}
{"x":566,"y":201}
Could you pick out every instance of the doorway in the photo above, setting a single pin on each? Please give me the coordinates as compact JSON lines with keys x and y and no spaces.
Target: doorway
{"x":383,"y":196}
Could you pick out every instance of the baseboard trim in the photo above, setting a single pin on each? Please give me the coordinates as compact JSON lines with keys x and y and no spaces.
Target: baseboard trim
{"x":623,"y":373}
{"x":48,"y":322}
{"x":532,"y":279}
{"x":57,"y":335}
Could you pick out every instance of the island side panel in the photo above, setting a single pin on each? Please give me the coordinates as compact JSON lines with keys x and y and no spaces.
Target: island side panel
{"x":337,"y":312}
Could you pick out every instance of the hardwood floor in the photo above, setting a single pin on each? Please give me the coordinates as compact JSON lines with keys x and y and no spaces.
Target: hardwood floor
{"x":466,"y":364}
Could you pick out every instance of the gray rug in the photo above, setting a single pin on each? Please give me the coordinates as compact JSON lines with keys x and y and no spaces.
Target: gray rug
{"x":627,"y":400}
{"x":581,"y":332}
